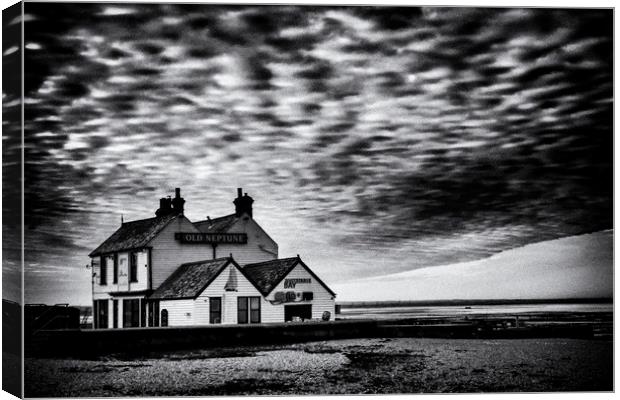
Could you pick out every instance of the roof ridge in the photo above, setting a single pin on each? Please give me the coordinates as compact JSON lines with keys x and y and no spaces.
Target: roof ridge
{"x":215,"y":219}
{"x":206,"y":261}
{"x":142,"y":226}
{"x":269,"y":261}
{"x":145,"y":219}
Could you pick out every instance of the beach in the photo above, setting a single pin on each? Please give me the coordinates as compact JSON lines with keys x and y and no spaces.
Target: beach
{"x":352,"y":366}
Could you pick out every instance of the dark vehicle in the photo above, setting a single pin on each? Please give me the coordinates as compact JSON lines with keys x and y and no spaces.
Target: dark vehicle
{"x":39,"y":317}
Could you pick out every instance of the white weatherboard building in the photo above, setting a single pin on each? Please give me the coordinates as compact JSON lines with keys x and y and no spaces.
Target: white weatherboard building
{"x":169,"y":271}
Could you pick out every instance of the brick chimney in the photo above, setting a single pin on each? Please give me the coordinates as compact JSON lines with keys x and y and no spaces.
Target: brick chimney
{"x":243,"y":204}
{"x":170,"y":206}
{"x":178,"y":201}
{"x":165,"y":207}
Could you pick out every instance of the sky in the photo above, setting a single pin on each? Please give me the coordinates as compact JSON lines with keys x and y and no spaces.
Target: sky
{"x":374,"y":140}
{"x":571,"y":267}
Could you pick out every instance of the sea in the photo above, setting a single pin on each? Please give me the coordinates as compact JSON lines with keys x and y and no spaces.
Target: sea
{"x":379,"y":312}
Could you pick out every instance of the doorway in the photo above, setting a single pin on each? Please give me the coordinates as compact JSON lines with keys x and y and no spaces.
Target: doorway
{"x":131,"y":313}
{"x":215,"y":310}
{"x":303,"y":311}
{"x":101,"y":314}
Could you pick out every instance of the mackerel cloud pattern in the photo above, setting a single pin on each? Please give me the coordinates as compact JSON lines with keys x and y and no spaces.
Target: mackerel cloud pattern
{"x":421,"y":135}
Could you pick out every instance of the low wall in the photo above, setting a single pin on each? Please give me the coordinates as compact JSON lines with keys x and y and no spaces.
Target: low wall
{"x":87,"y":343}
{"x":90,"y":343}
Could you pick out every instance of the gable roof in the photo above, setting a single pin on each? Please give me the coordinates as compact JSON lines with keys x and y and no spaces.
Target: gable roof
{"x":221,"y":224}
{"x":190,"y":279}
{"x":266,"y":275}
{"x":133,"y":234}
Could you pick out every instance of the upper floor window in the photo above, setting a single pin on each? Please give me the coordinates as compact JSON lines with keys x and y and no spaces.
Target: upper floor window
{"x":115,"y":271}
{"x":133,"y":267}
{"x":103,"y":271}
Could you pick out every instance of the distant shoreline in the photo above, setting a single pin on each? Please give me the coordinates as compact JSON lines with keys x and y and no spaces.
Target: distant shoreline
{"x":453,"y":302}
{"x":457,"y":302}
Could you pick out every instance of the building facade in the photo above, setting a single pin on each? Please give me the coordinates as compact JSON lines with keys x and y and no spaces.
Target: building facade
{"x":169,"y":271}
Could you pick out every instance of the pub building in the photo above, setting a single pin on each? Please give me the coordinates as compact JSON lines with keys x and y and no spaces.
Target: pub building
{"x":170,"y":271}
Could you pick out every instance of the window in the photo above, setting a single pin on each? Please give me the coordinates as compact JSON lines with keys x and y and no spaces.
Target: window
{"x":101,"y":314}
{"x":131,"y":313}
{"x":149,"y":317}
{"x":242,"y":310}
{"x":142,"y":312}
{"x":215,"y":310}
{"x":103,"y":271}
{"x":115,"y":271}
{"x":133,"y":267}
{"x":156,"y":313}
{"x":164,"y":317}
{"x":248,"y":310}
{"x":153,"y":309}
{"x":115,"y":313}
{"x":254,"y":310}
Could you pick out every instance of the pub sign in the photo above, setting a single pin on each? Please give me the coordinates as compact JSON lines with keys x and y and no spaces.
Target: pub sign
{"x":211,"y":238}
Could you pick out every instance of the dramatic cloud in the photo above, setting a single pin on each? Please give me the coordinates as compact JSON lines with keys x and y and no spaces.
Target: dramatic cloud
{"x":407,"y":136}
{"x":11,"y":156}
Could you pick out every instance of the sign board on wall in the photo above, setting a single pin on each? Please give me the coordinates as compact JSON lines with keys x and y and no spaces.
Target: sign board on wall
{"x":291,"y":283}
{"x":290,"y":297}
{"x":211,"y":238}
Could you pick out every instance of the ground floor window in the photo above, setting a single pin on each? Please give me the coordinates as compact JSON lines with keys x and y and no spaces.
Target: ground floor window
{"x":248,"y":310}
{"x":302,"y":311}
{"x":115,"y":313}
{"x":131,"y":313}
{"x":143,"y":312}
{"x":101,"y":314}
{"x":164,"y":317}
{"x":215,"y":310}
{"x":153,"y":307}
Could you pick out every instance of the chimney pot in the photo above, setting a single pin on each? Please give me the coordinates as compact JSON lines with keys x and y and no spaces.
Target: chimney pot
{"x":243,"y":204}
